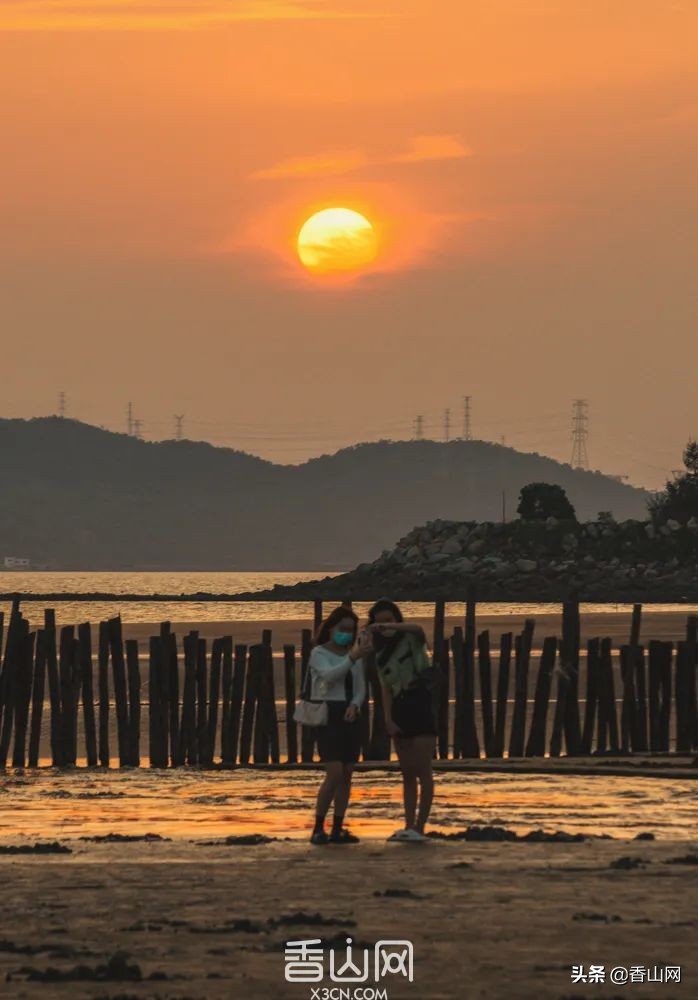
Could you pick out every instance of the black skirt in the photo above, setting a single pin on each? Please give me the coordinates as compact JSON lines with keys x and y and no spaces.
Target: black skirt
{"x":338,"y":740}
{"x":413,"y":712}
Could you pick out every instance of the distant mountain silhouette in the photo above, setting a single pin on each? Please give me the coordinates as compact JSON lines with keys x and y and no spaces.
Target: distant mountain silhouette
{"x":76,"y":496}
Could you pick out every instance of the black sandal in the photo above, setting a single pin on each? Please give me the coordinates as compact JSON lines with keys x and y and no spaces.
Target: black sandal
{"x":343,"y":837}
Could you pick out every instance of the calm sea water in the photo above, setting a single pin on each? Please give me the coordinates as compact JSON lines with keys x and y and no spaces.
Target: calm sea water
{"x":228,"y":583}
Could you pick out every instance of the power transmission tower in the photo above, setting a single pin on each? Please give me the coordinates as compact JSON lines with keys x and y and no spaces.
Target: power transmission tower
{"x":418,"y":427}
{"x":580,"y":433}
{"x":129,"y":419}
{"x":447,"y":424}
{"x":179,"y":421}
{"x":62,"y":404}
{"x":467,"y":428}
{"x":137,"y":427}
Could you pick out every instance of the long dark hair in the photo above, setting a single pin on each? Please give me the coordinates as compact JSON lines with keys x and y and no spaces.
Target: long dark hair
{"x":385,"y":605}
{"x":383,"y":645}
{"x":323,"y":634}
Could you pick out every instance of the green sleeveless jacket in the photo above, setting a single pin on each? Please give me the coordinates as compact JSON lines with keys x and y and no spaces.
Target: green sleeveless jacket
{"x":406,"y":666}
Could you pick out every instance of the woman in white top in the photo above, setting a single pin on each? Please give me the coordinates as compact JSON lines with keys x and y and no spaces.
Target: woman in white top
{"x":337,"y":677}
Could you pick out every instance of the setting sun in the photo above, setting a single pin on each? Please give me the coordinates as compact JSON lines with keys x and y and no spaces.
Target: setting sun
{"x":336,"y":240}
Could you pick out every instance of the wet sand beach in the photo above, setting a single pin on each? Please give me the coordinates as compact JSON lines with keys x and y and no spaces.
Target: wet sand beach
{"x":186,"y":914}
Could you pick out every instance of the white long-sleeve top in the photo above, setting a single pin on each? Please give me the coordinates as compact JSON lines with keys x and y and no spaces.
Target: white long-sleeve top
{"x":328,"y":673}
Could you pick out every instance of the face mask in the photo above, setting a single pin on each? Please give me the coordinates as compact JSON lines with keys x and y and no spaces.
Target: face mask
{"x":343,"y":638}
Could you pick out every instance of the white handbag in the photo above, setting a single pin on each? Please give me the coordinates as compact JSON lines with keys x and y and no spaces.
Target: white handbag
{"x":310,"y":713}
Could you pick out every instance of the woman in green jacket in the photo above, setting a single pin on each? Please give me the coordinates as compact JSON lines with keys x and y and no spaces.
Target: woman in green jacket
{"x":407,"y":680}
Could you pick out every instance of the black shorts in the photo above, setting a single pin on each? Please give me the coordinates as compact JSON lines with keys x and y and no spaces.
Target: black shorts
{"x":413,"y":713}
{"x":338,"y":740}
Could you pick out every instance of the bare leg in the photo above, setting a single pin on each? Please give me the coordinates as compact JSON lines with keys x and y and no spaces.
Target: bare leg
{"x":406,"y":755}
{"x":343,"y":790}
{"x":424,"y":754}
{"x":327,"y":790}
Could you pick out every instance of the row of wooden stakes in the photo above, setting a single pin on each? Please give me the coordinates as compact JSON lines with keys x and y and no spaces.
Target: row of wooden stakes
{"x":226,"y":711}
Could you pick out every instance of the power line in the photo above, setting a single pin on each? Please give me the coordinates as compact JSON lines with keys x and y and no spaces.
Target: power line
{"x":447,"y":424}
{"x":580,"y":433}
{"x":179,"y":422}
{"x":419,"y":427}
{"x":129,"y":419}
{"x":62,"y":404}
{"x":137,"y":429}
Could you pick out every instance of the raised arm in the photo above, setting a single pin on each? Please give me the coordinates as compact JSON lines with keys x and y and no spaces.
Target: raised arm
{"x":330,"y":672}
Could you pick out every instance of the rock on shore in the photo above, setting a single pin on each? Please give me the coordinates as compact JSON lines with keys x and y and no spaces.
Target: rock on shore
{"x":602,"y":560}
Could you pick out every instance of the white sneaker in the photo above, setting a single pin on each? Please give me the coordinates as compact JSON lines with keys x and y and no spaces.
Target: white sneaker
{"x":398,"y":835}
{"x":408,"y":837}
{"x":413,"y":837}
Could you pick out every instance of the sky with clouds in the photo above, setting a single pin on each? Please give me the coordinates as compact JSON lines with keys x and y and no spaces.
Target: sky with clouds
{"x":529,"y":165}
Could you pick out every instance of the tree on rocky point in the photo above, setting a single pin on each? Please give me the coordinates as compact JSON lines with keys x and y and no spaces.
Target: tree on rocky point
{"x":539,"y":501}
{"x":678,"y":501}
{"x":690,"y":458}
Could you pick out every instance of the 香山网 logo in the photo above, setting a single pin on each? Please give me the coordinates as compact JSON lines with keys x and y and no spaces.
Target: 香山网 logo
{"x":305,"y":962}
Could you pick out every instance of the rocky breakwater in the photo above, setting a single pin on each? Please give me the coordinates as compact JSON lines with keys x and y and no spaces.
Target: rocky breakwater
{"x":548,"y":560}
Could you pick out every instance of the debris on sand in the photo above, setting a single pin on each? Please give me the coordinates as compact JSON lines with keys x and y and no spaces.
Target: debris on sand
{"x":242,"y":840}
{"x":51,"y":848}
{"x":125,"y":838}
{"x":628,"y":864}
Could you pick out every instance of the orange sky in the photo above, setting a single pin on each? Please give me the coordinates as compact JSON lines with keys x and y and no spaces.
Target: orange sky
{"x":531,"y":165}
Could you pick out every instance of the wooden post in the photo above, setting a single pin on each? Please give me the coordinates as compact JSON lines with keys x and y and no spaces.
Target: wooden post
{"x":665,"y":670}
{"x":88,"y":705}
{"x":248,"y":709}
{"x":290,"y":694}
{"x":116,"y":647}
{"x":270,"y":689}
{"x":635,"y":625}
{"x":607,"y":732}
{"x":592,"y":694}
{"x":266,"y":636}
{"x":103,"y":657}
{"x":485,"y":662}
{"x":7,"y":680}
{"x":307,"y":733}
{"x":654,"y":655}
{"x":187,"y":729}
{"x":317,"y":616}
{"x":171,"y":656}
{"x":684,"y":662}
{"x":570,"y":663}
{"x":629,"y":716}
{"x":155,"y":734}
{"x":522,"y":660}
{"x":10,"y":681}
{"x":539,"y":721}
{"x":38,"y":691}
{"x":505,"y":646}
{"x":24,"y":689}
{"x":67,"y":687}
{"x":134,"y":702}
{"x":214,"y":694}
{"x":236,"y":699}
{"x":227,"y":751}
{"x":463,"y":656}
{"x":202,"y":683}
{"x":443,"y":697}
{"x":261,"y":732}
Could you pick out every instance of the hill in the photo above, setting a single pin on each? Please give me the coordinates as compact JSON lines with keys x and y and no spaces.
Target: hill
{"x":76,"y":496}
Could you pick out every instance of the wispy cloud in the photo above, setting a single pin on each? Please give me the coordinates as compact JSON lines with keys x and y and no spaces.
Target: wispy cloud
{"x":75,"y":15}
{"x":314,"y":166}
{"x":422,"y":149}
{"x":434,"y":147}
